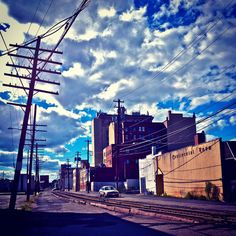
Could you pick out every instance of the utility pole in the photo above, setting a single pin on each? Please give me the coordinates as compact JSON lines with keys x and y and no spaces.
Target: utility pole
{"x":68,"y":173}
{"x":77,"y":159}
{"x":88,"y":166}
{"x":37,"y":188}
{"x":29,"y":176}
{"x":118,"y":138}
{"x":33,"y":78}
{"x":27,"y":164}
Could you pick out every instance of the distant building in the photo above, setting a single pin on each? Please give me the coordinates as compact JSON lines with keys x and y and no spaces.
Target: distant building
{"x":66,"y":177}
{"x":138,"y":134}
{"x":100,"y":137}
{"x":134,"y":128}
{"x":44,"y":181}
{"x":81,"y":176}
{"x":76,"y":180}
{"x":5,"y":185}
{"x":22,"y":186}
{"x":180,"y":130}
{"x":188,"y":170}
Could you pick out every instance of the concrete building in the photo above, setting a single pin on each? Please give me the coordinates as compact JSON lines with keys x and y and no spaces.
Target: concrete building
{"x":189,"y":170}
{"x":100,"y":129}
{"x":147,"y":179}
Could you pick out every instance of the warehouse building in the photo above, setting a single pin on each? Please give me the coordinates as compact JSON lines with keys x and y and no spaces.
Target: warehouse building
{"x":207,"y":169}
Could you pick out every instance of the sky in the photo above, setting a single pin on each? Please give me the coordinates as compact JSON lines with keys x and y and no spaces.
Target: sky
{"x":155,"y":55}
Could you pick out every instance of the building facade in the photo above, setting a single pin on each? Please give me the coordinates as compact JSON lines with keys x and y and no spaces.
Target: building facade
{"x":100,"y":136}
{"x":207,"y":169}
{"x":66,"y":177}
{"x":180,"y":130}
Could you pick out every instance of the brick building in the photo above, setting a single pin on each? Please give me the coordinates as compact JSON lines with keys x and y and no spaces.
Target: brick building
{"x":138,"y":134}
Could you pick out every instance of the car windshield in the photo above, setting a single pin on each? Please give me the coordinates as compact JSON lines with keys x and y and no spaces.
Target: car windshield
{"x":109,"y":188}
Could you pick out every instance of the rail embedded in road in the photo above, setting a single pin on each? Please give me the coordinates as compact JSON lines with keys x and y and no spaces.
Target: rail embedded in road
{"x":151,"y":209}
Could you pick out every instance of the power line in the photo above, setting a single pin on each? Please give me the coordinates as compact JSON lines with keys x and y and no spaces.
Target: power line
{"x":176,"y":131}
{"x":180,"y":54}
{"x":49,"y":6}
{"x":35,"y":12}
{"x":172,"y":170}
{"x":164,"y":138}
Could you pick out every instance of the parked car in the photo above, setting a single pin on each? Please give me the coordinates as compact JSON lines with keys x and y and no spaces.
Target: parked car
{"x":108,"y":191}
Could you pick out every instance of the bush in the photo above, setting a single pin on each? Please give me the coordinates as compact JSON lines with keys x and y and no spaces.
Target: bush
{"x":189,"y":195}
{"x":215,"y":193}
{"x":212,"y":191}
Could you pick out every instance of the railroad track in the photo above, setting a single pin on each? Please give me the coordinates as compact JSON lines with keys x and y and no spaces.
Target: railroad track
{"x":142,"y":208}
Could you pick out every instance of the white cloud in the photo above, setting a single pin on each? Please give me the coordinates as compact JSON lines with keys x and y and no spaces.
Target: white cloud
{"x":232,"y":120}
{"x":133,"y":15}
{"x":7,"y":152}
{"x":102,"y":55}
{"x":221,"y":123}
{"x":75,"y":71}
{"x":96,"y":77}
{"x":113,"y":89}
{"x":106,"y":12}
{"x":116,"y":55}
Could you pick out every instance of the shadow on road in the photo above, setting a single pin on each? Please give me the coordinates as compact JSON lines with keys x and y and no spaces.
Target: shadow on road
{"x":56,"y":224}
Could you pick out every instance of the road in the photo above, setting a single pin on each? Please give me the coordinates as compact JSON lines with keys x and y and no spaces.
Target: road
{"x":54,"y":216}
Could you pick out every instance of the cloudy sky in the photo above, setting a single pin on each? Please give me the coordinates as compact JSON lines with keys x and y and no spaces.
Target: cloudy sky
{"x":154,"y":55}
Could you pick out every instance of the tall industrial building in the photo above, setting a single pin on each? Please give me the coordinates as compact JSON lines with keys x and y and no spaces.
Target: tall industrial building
{"x":100,"y":136}
{"x":175,"y":132}
{"x":180,"y":130}
{"x":138,"y":135}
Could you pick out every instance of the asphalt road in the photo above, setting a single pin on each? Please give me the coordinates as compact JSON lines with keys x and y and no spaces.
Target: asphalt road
{"x":54,"y":216}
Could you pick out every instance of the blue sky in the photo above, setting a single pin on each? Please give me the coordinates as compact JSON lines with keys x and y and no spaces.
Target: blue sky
{"x":154,"y":55}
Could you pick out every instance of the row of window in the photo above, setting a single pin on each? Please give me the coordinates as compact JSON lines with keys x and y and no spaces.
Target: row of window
{"x":135,"y":136}
{"x":140,"y":128}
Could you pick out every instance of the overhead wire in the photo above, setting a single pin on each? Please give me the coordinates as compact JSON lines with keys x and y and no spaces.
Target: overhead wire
{"x":177,"y":131}
{"x":164,"y":137}
{"x":205,"y":108}
{"x":190,"y":45}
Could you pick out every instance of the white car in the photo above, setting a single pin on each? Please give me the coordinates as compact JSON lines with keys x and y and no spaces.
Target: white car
{"x":108,"y":191}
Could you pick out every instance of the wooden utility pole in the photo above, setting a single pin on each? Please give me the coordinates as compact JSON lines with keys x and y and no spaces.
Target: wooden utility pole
{"x":77,"y":181}
{"x":37,"y":186}
{"x":88,"y":166}
{"x":118,"y":138}
{"x":29,"y":176}
{"x":77,"y":159}
{"x":68,"y":173}
{"x":33,"y":77}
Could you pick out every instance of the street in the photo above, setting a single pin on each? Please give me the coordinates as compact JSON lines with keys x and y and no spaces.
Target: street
{"x":54,"y":216}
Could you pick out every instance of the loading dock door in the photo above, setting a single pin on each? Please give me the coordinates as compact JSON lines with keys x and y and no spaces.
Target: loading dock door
{"x":159,"y":184}
{"x":143,"y":185}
